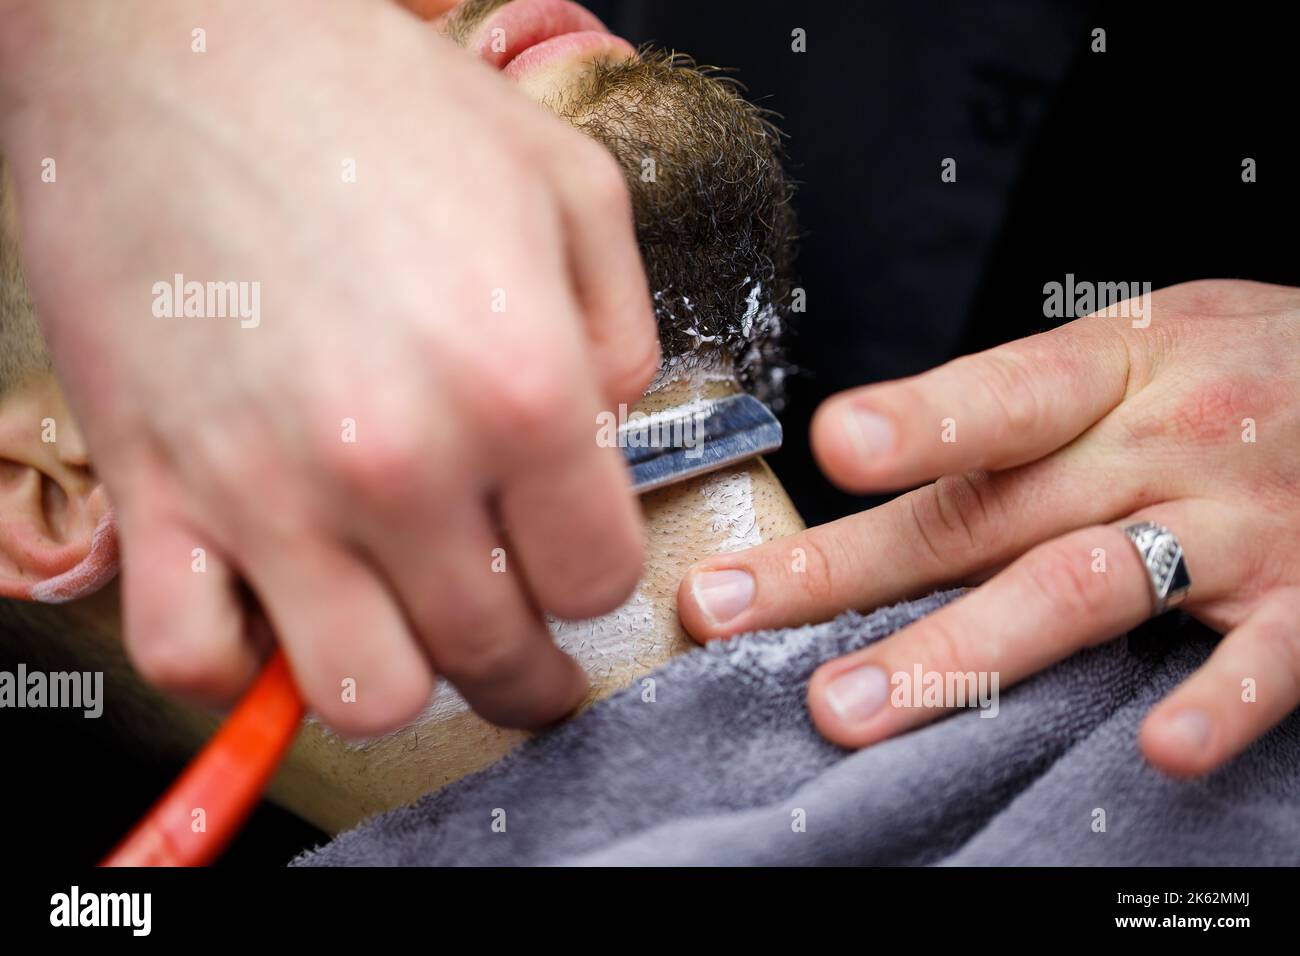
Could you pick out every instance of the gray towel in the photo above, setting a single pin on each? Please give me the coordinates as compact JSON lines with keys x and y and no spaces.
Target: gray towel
{"x":724,"y":766}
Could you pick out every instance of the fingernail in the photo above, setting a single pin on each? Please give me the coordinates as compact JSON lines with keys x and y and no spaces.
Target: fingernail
{"x":1191,"y":729}
{"x":857,"y":694}
{"x":871,"y":434}
{"x":722,"y":595}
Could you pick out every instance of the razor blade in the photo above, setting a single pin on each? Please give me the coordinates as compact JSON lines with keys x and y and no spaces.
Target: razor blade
{"x":695,"y":439}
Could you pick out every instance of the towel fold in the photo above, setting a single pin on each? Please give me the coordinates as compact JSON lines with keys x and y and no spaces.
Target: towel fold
{"x":712,"y":759}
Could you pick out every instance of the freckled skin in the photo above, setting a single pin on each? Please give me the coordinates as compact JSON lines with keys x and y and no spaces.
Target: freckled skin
{"x":1209,"y":414}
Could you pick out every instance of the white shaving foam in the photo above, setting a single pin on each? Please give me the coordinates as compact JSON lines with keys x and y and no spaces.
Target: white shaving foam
{"x":730,"y":499}
{"x":696,"y":369}
{"x":602,"y":646}
{"x":607,"y":644}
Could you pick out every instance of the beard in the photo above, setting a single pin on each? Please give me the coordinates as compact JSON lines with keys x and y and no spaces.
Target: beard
{"x":712,"y":203}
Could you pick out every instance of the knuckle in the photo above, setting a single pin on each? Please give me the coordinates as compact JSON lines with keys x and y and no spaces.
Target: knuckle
{"x":941,"y":648}
{"x":527,"y":398}
{"x":961,"y":504}
{"x":233,"y":459}
{"x":951,"y":517}
{"x":1013,"y":388}
{"x":1062,"y":573}
{"x":926,"y":526}
{"x":817,"y":580}
{"x":524,"y":188}
{"x":386,"y":453}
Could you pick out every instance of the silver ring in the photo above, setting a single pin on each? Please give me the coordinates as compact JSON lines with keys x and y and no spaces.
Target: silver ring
{"x":1163,"y":557}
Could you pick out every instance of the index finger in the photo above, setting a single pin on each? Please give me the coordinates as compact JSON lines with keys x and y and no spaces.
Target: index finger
{"x":1057,"y":599}
{"x":1042,"y":608}
{"x":993,"y":410}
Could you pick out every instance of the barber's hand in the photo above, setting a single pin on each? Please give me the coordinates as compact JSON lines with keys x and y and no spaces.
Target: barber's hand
{"x":1053,"y":444}
{"x":435,"y":341}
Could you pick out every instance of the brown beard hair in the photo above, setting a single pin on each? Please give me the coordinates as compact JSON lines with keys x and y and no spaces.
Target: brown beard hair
{"x":716,"y":227}
{"x":711,"y":200}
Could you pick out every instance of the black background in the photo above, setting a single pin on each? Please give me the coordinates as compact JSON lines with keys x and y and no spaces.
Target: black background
{"x":1125,"y":165}
{"x":1122,"y":166}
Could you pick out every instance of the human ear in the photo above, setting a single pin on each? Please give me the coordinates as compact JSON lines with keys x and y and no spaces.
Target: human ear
{"x":57,"y":538}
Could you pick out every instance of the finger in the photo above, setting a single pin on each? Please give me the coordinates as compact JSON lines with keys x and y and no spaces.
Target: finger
{"x":1069,"y":593}
{"x":608,"y":274}
{"x":467,"y":599}
{"x":352,"y":656}
{"x":575,"y":528}
{"x":1249,"y":684}
{"x":429,"y":530}
{"x":566,"y":502}
{"x":952,"y":531}
{"x":993,"y":410}
{"x":184,"y":621}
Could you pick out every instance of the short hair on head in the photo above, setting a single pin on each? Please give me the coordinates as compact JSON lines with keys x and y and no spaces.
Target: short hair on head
{"x":22,"y":347}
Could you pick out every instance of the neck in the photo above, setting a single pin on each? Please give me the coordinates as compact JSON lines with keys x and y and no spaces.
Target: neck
{"x":335,"y":784}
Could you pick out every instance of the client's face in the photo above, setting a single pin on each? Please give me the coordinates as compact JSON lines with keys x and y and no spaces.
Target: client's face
{"x":703,"y":165}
